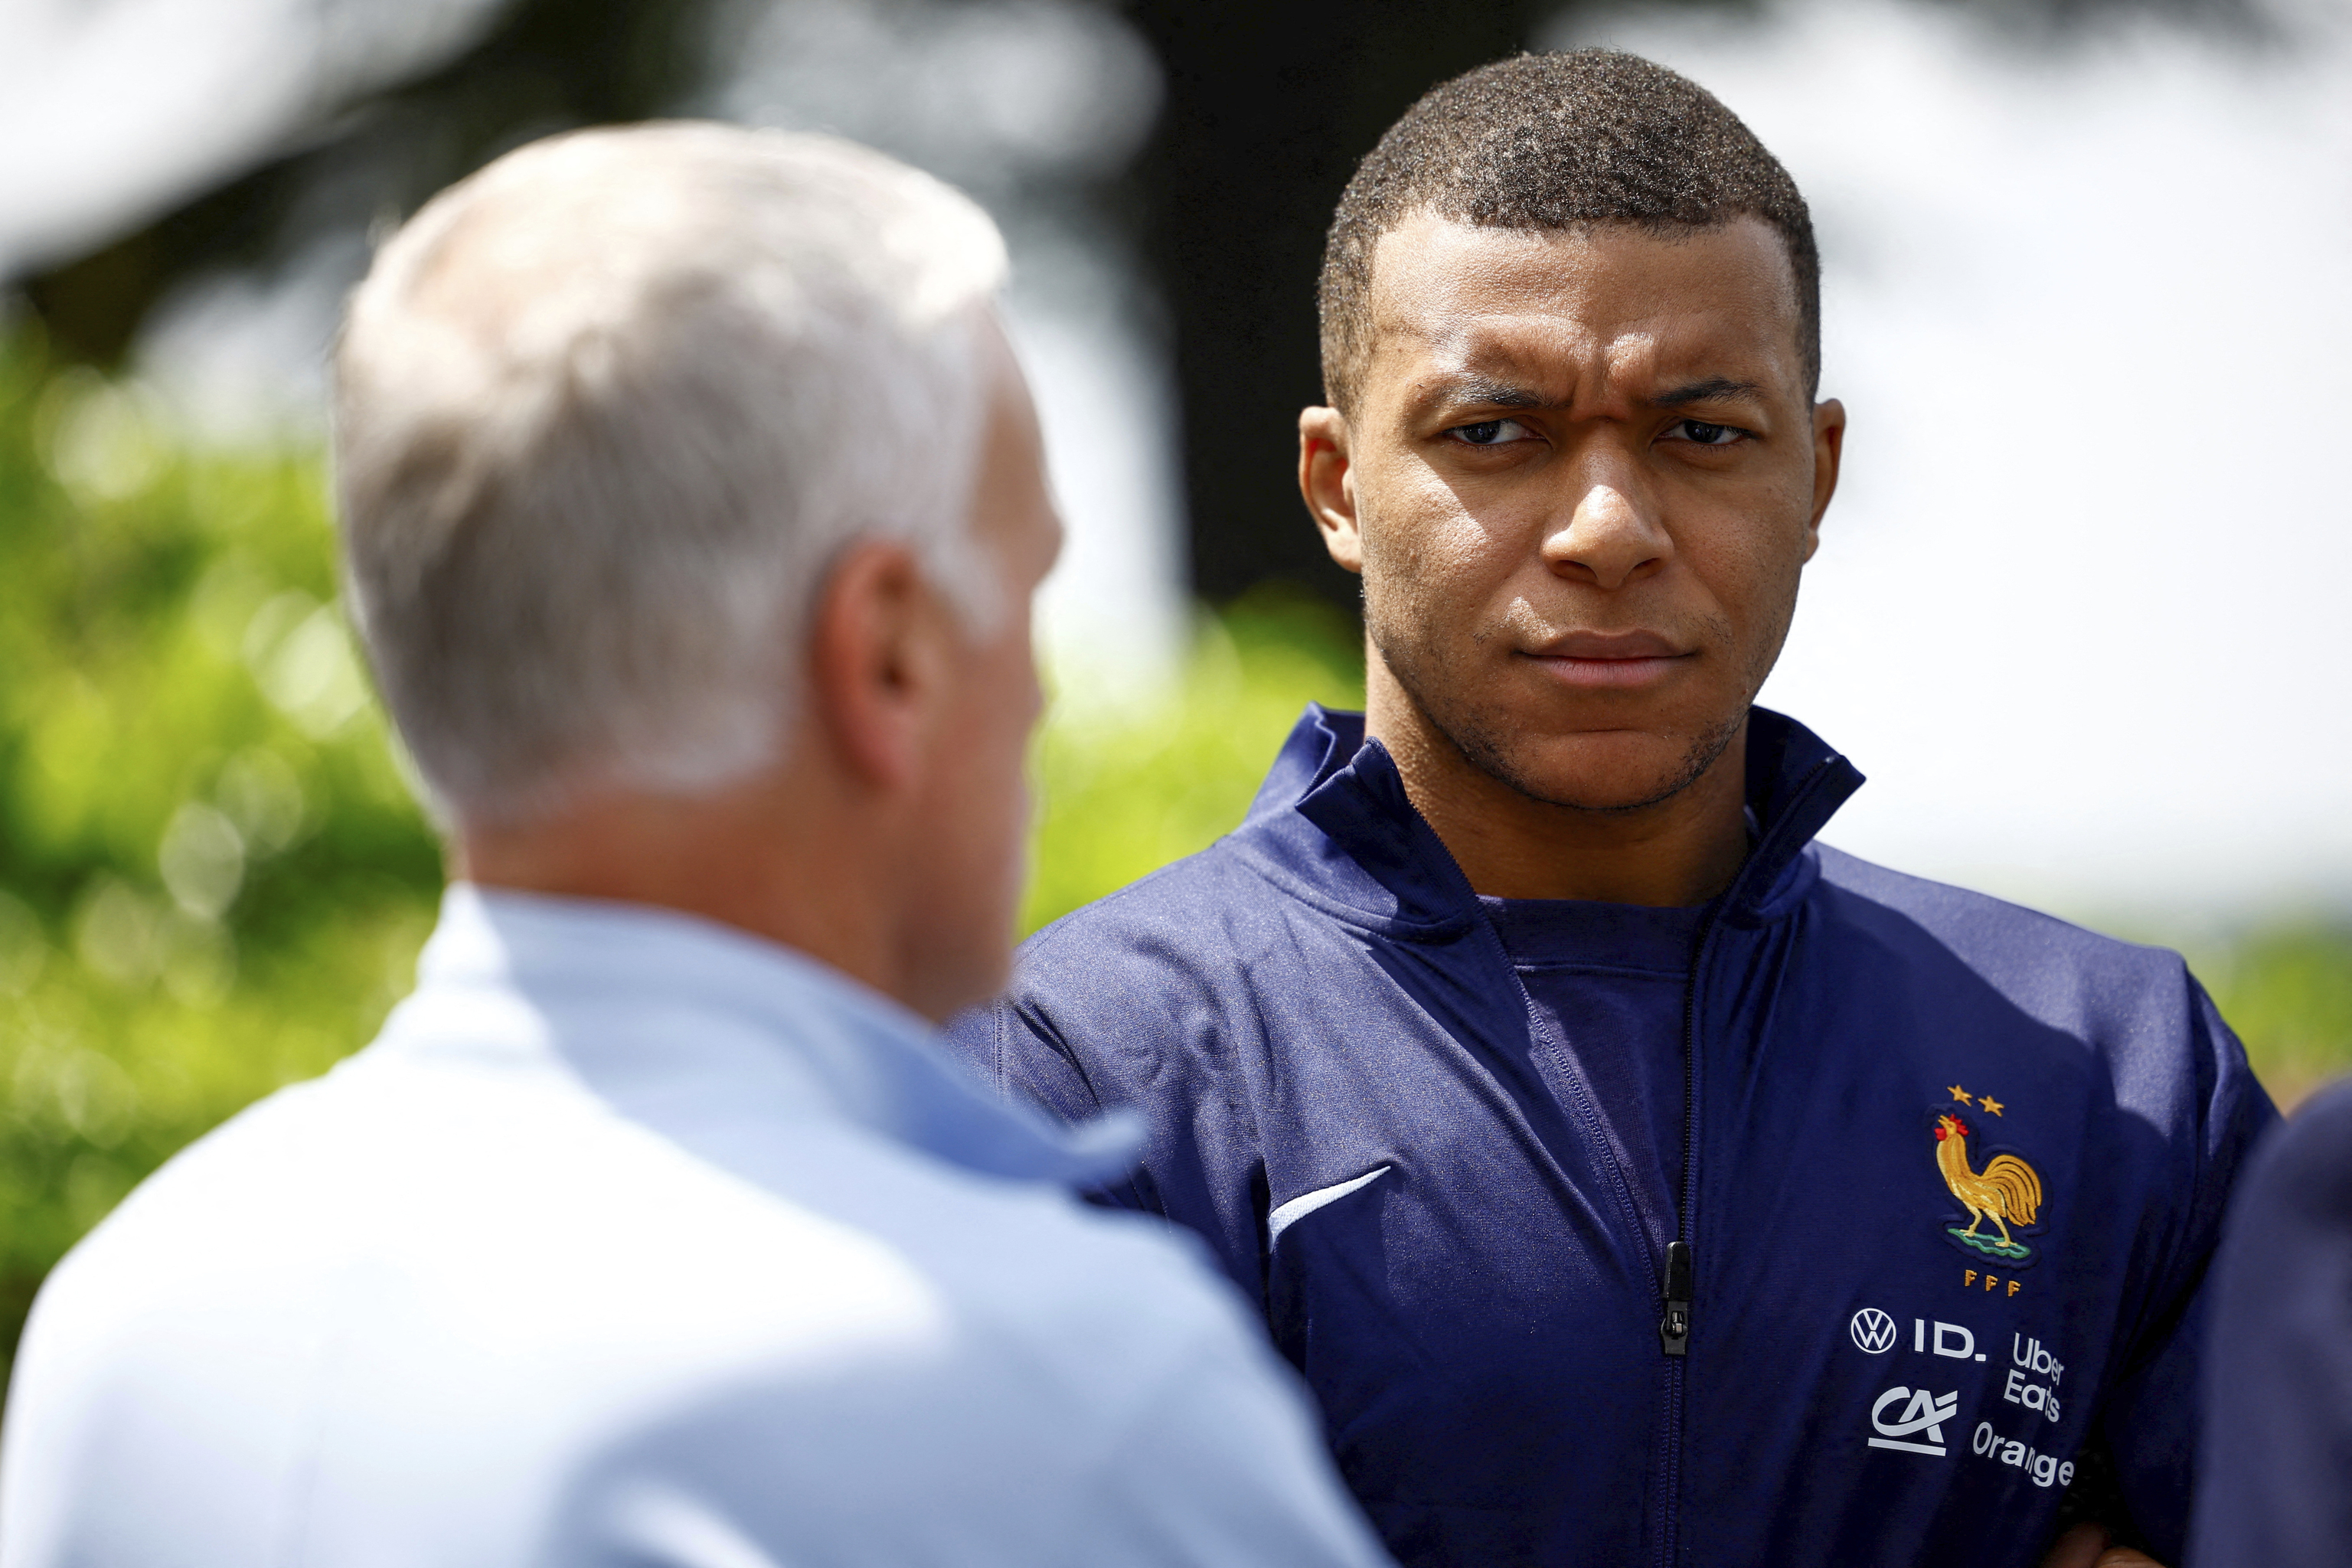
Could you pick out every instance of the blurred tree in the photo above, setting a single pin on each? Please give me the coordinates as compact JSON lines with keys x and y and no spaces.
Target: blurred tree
{"x":212,"y":878}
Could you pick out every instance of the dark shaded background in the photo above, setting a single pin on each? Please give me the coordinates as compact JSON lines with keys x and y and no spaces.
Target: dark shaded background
{"x":1268,"y":110}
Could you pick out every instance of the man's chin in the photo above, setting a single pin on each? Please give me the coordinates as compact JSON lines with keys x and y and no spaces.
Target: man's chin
{"x":1602,"y":769}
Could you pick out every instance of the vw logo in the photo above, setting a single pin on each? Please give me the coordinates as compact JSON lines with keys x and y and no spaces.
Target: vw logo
{"x":1873,"y":1330}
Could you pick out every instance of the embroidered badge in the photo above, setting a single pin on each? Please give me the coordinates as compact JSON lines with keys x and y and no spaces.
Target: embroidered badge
{"x":2006,"y":1191}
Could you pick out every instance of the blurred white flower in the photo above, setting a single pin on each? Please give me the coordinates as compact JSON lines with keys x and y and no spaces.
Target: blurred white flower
{"x":300,"y":652}
{"x":261,"y":795}
{"x":115,"y":931}
{"x":24,"y":952}
{"x":102,"y":441}
{"x":202,"y":858}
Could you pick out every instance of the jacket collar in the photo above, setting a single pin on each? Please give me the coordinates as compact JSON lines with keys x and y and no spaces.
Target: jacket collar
{"x":1332,"y":825}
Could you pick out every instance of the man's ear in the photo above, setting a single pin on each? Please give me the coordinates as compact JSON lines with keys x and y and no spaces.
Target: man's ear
{"x":1326,"y":480}
{"x":878,"y":662}
{"x":1829,"y":450}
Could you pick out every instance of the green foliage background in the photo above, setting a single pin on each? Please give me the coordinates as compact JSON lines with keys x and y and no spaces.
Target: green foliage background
{"x":214,"y":881}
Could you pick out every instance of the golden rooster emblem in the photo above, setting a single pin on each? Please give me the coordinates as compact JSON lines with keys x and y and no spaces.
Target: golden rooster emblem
{"x":2006,"y":1189}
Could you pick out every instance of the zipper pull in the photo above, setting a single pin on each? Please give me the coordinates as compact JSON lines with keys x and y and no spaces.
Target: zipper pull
{"x":1673,"y":1329}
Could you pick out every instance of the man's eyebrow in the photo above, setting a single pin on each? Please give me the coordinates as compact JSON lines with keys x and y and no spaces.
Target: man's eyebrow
{"x":1479,"y":390}
{"x":1705,"y":391}
{"x":1476,"y":390}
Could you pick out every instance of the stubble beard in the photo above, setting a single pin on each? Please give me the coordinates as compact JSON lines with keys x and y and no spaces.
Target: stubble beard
{"x":1485,"y":737}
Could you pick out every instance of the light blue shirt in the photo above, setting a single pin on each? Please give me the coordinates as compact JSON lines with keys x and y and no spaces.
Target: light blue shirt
{"x":634,"y":1239}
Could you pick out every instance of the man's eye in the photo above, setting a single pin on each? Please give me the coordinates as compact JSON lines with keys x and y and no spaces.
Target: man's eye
{"x":1489,"y":433}
{"x":1707,"y":435}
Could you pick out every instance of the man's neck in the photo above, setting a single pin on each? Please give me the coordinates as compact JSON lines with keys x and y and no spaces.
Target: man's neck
{"x":753,"y":856}
{"x":1682,"y":851}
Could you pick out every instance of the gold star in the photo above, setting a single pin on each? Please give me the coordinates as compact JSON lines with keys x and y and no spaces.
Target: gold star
{"x":1963,"y":1095}
{"x":1991,"y":1106}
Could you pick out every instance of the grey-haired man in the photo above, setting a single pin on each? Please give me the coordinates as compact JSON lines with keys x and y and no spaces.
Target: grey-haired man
{"x":693,"y":509}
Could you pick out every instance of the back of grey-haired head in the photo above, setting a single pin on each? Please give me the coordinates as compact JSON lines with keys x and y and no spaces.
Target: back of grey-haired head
{"x":607,"y":411}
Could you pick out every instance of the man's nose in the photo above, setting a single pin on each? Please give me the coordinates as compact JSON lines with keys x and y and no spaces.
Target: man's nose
{"x":1612,"y":535}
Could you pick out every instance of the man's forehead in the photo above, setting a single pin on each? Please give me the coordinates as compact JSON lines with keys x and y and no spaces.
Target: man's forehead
{"x":1531,"y":359}
{"x":1526,"y":306}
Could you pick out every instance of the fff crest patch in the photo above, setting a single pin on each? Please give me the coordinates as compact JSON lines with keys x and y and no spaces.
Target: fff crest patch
{"x":1999,"y":1195}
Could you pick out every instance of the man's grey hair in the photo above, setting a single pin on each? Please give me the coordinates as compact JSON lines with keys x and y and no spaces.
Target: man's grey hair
{"x":607,"y":412}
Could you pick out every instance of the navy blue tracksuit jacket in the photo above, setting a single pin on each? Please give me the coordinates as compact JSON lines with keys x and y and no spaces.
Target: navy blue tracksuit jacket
{"x":1951,"y":1177}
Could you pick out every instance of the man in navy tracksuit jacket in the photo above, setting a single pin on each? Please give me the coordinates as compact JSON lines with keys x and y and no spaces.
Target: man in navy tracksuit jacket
{"x":1633,"y":1179}
{"x":1321,"y":999}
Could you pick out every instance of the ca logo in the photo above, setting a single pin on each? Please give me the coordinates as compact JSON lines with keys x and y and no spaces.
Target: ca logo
{"x":1924,"y":1416}
{"x":1873,"y":1330}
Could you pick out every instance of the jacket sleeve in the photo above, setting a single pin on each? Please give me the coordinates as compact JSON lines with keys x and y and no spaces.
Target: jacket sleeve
{"x":1018,"y":1054}
{"x":1021,"y":1055}
{"x":2150,"y":1422}
{"x":1089,"y":1029}
{"x":2277,"y":1449}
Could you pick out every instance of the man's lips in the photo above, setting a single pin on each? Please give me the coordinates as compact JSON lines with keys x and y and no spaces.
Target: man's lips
{"x":1613,"y":661}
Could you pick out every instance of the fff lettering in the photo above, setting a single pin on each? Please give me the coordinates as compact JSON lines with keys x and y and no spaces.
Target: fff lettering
{"x":2028,"y":1358}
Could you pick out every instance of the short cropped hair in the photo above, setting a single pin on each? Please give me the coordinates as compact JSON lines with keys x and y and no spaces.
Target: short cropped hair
{"x":1558,"y":142}
{"x":607,"y":411}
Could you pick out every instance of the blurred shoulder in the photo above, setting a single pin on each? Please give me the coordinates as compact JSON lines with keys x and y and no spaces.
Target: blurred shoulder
{"x":355,"y":1258}
{"x":1074,"y":1412}
{"x":437,"y":1212}
{"x":203,"y":1207}
{"x":2305,"y":1168}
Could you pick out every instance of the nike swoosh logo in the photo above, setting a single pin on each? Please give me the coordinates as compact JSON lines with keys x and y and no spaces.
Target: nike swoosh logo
{"x":1286,"y":1214}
